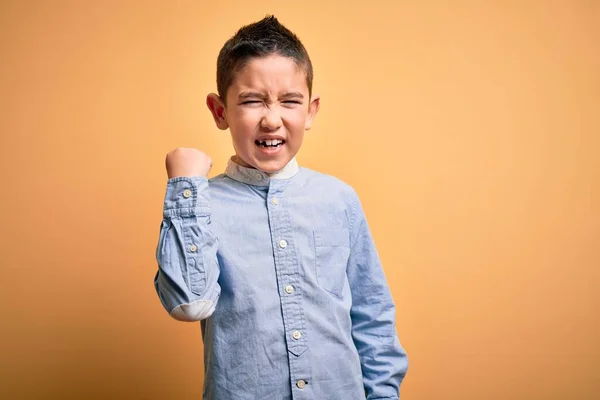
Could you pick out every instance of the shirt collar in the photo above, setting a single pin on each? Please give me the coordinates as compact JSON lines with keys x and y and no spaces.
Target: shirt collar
{"x":255,"y":177}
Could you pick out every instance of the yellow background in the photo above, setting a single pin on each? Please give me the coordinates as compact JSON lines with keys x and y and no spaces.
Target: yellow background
{"x":470,"y":129}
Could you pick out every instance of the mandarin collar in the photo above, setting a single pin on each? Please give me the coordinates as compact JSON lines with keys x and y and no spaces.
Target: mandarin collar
{"x":255,"y":177}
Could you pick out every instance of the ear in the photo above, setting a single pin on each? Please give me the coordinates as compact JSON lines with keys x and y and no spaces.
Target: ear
{"x":217,"y":108}
{"x":313,"y":109}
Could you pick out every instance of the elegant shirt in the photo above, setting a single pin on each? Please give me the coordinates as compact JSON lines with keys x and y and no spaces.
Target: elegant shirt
{"x":284,"y":276}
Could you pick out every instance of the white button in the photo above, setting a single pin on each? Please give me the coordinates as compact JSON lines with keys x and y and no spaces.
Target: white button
{"x":289,"y":289}
{"x":275,"y":200}
{"x":296,"y":335}
{"x":187,"y":193}
{"x":282,"y":244}
{"x":193,"y":248}
{"x":301,"y":384}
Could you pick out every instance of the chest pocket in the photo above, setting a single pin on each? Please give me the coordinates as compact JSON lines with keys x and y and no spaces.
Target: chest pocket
{"x":332,"y":249}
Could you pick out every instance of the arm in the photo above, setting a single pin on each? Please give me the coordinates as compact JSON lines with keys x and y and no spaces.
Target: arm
{"x":383,"y":360}
{"x":186,"y":281}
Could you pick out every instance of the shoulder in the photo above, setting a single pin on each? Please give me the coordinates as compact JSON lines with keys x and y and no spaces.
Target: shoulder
{"x":221,"y":185}
{"x":325,"y":183}
{"x":338,"y":194}
{"x":219,"y":179}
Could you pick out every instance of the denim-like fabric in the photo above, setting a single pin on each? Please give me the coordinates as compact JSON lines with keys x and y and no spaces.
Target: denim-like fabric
{"x":286,"y":279}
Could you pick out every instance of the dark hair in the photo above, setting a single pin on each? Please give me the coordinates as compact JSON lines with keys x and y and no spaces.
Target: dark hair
{"x":260,"y":39}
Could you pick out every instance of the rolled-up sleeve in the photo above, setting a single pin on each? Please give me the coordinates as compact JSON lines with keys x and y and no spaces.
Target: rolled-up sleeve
{"x":186,"y":281}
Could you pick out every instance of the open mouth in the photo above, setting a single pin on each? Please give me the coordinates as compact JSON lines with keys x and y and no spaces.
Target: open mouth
{"x":269,"y":143}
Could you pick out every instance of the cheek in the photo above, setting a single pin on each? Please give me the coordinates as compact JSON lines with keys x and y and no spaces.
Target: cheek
{"x":295,"y":119}
{"x":243,"y":124}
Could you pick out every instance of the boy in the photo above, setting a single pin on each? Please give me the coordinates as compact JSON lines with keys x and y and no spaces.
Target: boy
{"x":276,"y":261}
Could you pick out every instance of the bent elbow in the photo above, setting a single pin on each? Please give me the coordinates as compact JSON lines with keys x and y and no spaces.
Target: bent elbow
{"x":194,"y":311}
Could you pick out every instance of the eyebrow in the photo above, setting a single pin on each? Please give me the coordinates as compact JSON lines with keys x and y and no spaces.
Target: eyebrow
{"x":287,"y":95}
{"x":293,"y":95}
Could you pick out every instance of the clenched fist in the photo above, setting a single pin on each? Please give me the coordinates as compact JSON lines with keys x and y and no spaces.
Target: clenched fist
{"x":187,"y":162}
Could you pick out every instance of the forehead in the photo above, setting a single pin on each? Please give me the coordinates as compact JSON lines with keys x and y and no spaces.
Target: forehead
{"x":272,"y":74}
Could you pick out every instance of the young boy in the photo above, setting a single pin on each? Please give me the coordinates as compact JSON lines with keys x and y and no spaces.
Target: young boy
{"x":276,"y":261}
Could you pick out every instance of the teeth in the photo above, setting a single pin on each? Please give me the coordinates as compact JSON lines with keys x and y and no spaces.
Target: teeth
{"x":270,"y":142}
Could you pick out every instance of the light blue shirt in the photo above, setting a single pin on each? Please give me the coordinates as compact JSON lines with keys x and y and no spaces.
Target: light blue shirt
{"x":284,"y":275}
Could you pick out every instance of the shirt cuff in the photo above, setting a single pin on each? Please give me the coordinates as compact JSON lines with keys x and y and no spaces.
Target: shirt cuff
{"x":187,"y":196}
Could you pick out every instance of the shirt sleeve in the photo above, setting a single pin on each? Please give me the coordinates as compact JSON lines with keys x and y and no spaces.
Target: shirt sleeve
{"x":383,"y":360}
{"x":186,"y":281}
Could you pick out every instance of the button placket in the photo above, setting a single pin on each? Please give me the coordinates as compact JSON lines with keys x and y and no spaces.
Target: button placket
{"x":287,"y":270}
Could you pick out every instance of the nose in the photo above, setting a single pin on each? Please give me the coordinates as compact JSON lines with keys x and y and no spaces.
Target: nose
{"x":271,"y":121}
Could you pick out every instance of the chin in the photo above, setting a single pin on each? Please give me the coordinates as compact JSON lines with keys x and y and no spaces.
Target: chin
{"x":272,"y":166}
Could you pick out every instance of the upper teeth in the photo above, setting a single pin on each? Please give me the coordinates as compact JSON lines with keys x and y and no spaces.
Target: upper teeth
{"x":272,"y":142}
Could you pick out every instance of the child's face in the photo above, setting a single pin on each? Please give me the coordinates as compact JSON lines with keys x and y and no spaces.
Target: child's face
{"x":268,"y":100}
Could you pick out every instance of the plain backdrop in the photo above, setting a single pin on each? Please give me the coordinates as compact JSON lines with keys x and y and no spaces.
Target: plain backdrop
{"x":470,"y":130}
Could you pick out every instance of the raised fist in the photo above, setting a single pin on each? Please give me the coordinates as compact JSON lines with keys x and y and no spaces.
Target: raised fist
{"x":187,"y":162}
